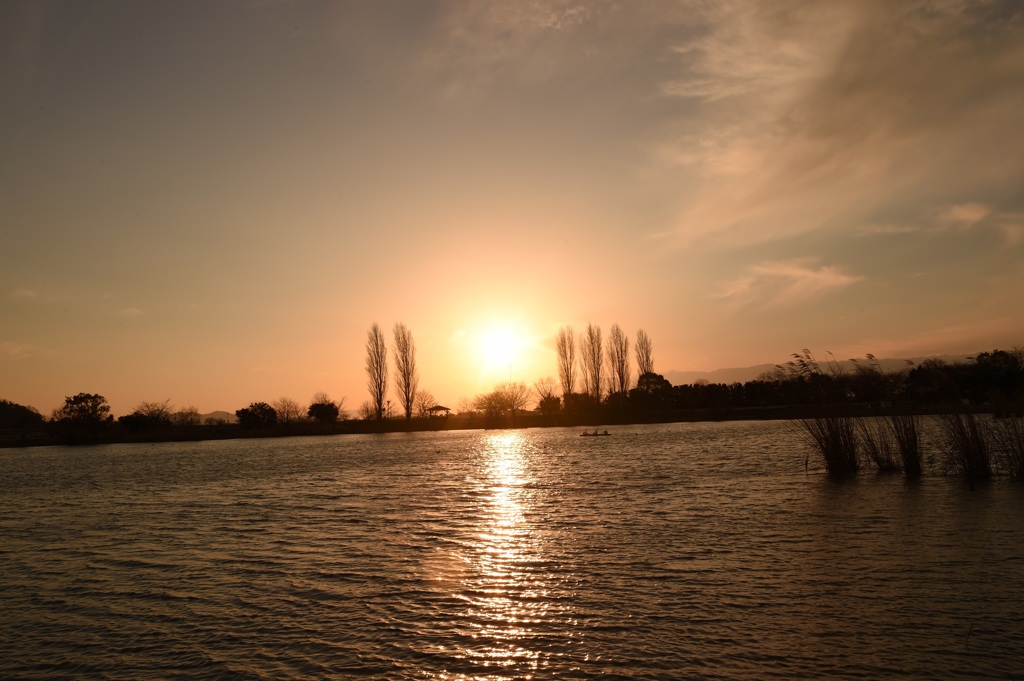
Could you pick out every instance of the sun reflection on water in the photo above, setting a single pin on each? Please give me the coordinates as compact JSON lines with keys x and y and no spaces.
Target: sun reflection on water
{"x":507,"y":586}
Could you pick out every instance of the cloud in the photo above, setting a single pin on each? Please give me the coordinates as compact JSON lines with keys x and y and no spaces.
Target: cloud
{"x":967,"y":214}
{"x":845,"y":115}
{"x":25,"y":294}
{"x":978,"y":215}
{"x":21,"y":350}
{"x":776,"y":284}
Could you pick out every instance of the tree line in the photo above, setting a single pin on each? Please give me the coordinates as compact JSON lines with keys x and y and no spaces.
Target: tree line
{"x":594,"y":383}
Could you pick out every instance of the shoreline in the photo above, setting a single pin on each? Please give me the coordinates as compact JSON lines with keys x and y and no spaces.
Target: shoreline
{"x":11,"y":440}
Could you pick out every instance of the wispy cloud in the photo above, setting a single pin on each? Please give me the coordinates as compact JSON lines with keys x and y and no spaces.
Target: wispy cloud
{"x":832,"y":120}
{"x":967,"y":214}
{"x":776,"y":284}
{"x":981,"y":216}
{"x":25,"y":294}
{"x":17,"y":350}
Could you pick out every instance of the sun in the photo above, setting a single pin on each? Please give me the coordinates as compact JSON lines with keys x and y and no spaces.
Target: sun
{"x":498,"y":347}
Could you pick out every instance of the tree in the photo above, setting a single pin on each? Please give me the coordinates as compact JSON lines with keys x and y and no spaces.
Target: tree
{"x":547,"y":400}
{"x":186,"y":416}
{"x":148,"y":416}
{"x":644,"y":353}
{"x":565,"y":347}
{"x":618,"y":361}
{"x":424,"y":401}
{"x":323,"y":409}
{"x":406,"y":379}
{"x":507,"y":398}
{"x":367,"y":410}
{"x":83,"y":413}
{"x":376,"y":369}
{"x":516,"y":396}
{"x":256,"y":415}
{"x":288,"y":410}
{"x":593,"y":359}
{"x":19,"y":418}
{"x":83,"y":408}
{"x":158,"y":412}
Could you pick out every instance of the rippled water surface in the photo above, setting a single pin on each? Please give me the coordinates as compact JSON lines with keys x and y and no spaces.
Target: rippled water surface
{"x":675,"y":551}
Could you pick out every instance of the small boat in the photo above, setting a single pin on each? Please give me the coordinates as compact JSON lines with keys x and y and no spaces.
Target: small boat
{"x":594,"y":434}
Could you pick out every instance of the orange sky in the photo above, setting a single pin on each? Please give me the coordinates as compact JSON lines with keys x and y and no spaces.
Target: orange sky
{"x":212,"y":202}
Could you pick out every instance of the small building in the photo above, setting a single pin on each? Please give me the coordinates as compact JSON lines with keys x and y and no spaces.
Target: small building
{"x":438,"y":412}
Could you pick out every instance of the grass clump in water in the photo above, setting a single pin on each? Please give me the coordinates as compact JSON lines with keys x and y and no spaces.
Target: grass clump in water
{"x":879,"y":445}
{"x":835,"y":438}
{"x":831,"y":433}
{"x":964,"y":447}
{"x":906,"y":433}
{"x":1008,"y":434}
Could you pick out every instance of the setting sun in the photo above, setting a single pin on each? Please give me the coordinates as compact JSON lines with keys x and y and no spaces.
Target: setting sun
{"x":498,"y":347}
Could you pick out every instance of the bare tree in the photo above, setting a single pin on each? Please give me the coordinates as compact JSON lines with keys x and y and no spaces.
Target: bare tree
{"x":424,"y":401}
{"x":406,"y":378}
{"x":507,"y":398}
{"x":644,"y":353}
{"x":158,"y":412}
{"x":367,"y":411}
{"x":516,"y":396}
{"x":376,"y":369}
{"x":618,"y":360}
{"x":593,"y":360}
{"x":288,"y":410}
{"x":565,"y":347}
{"x":466,"y":406}
{"x":547,"y":398}
{"x":545,"y":387}
{"x":186,"y":416}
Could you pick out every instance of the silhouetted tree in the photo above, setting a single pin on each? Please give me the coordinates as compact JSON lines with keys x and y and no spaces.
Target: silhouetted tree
{"x":256,"y":415}
{"x":323,"y":409}
{"x":652,"y":393}
{"x":593,"y":358}
{"x":406,"y":378}
{"x":644,"y":354}
{"x":618,"y":361}
{"x":565,"y":348}
{"x":508,"y":398}
{"x":288,"y":410}
{"x":158,"y":412}
{"x":83,"y":414}
{"x":185,"y":417}
{"x":148,"y":416}
{"x":376,"y":369}
{"x":20,"y":419}
{"x":424,"y":401}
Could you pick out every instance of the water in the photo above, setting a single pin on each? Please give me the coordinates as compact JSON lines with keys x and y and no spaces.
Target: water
{"x":662,"y":552}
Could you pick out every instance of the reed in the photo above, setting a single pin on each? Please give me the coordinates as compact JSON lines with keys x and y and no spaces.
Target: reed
{"x":906,"y":434}
{"x":964,"y":447}
{"x":835,"y":439}
{"x":878,"y":443}
{"x":1008,"y":436}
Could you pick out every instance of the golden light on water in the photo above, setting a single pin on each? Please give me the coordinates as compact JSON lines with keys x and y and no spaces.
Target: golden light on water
{"x":506,"y":593}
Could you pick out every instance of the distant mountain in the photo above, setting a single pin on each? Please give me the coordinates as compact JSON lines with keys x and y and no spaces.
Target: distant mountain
{"x":224,"y":416}
{"x":744,"y":374}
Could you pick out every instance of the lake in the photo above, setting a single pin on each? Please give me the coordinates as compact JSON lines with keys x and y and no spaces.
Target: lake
{"x":662,"y":552}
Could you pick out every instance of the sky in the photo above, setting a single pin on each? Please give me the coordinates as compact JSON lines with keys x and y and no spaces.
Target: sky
{"x":211,"y":203}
